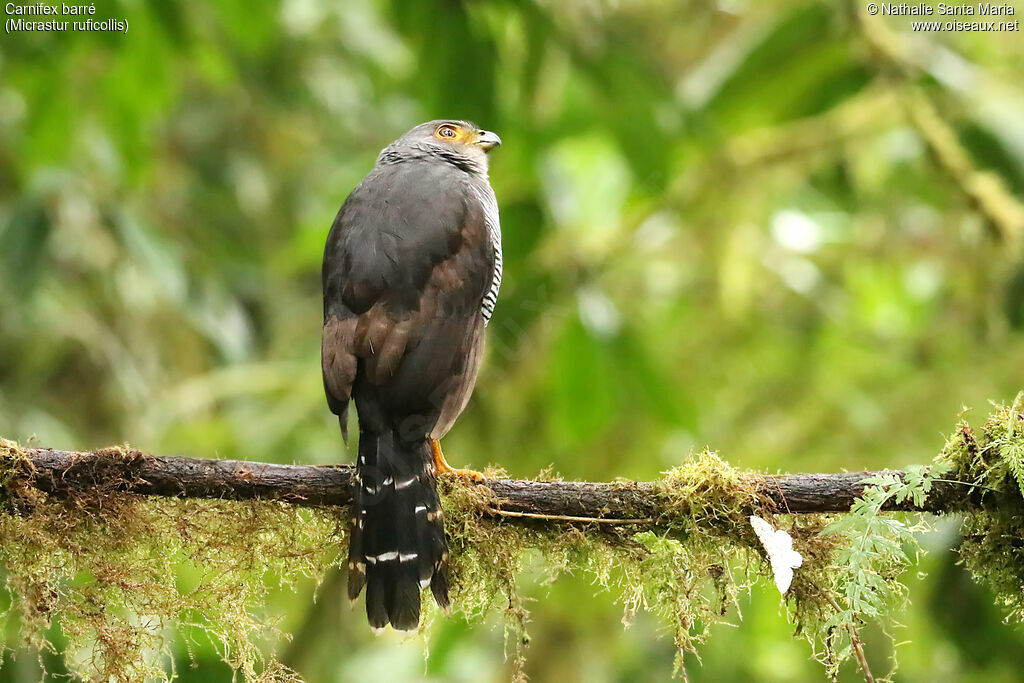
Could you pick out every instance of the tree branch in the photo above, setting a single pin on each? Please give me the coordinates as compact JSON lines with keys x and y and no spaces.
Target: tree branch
{"x":67,"y":473}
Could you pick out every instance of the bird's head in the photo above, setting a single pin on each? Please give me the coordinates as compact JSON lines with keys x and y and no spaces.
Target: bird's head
{"x":459,"y":142}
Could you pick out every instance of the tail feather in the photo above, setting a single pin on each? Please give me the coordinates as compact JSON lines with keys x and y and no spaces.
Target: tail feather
{"x":397,"y":546}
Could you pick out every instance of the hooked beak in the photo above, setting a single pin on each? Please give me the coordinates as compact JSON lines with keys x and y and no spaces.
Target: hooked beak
{"x":486,"y":140}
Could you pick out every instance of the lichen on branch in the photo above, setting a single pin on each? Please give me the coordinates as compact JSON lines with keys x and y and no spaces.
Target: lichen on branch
{"x":115,"y":570}
{"x":992,"y":534}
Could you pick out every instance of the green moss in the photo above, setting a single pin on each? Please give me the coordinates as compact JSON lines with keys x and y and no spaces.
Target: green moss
{"x":689,"y":572}
{"x":105,"y":566}
{"x":992,"y":545}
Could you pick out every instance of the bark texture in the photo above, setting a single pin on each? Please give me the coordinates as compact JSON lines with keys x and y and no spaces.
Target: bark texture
{"x":66,"y":473}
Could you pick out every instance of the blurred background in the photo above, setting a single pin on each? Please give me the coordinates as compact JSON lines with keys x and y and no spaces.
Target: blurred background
{"x":766,"y":227}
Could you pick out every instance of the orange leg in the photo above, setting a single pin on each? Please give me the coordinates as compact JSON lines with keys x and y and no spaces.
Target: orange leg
{"x":441,"y":466}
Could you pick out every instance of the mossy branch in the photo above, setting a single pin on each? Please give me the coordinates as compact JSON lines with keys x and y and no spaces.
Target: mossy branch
{"x":94,"y":543}
{"x":69,"y":473}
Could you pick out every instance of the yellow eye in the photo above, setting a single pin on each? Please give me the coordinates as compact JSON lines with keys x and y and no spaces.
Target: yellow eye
{"x":446,"y":132}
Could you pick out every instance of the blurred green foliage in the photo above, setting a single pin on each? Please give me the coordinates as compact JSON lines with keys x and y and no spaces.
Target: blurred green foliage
{"x":722,"y":226}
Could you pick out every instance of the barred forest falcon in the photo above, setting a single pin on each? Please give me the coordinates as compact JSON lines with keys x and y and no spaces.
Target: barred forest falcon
{"x":411,"y":273}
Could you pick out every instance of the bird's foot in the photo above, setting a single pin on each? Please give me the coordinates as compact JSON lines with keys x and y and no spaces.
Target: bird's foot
{"x":441,"y":466}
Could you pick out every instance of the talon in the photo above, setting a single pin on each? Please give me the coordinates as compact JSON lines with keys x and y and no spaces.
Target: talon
{"x":441,"y":466}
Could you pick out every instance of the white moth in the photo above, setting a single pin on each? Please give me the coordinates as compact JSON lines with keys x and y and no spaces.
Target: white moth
{"x":779,"y":546}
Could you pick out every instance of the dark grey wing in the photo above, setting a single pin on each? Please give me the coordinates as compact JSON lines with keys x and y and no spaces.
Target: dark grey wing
{"x":405,"y":271}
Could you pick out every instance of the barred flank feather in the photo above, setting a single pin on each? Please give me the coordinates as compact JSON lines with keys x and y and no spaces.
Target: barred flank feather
{"x":397,"y":546}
